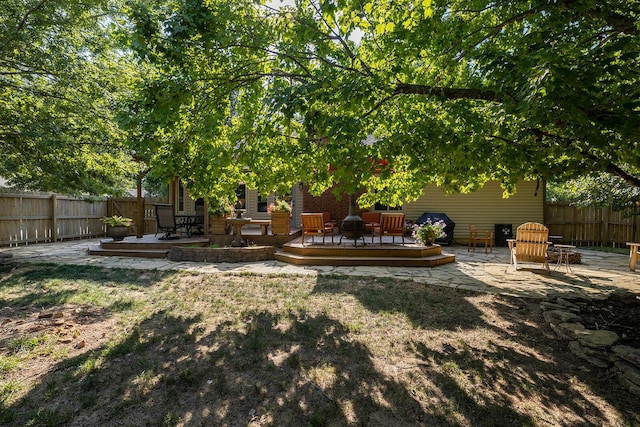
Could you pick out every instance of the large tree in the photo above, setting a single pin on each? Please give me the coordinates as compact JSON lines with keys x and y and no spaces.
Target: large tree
{"x":62,"y":75}
{"x":451,"y":92}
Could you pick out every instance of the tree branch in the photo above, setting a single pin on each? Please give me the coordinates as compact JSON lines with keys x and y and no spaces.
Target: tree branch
{"x":446,"y":93}
{"x":23,"y":22}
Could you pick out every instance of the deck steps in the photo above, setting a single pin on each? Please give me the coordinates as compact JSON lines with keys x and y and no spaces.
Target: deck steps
{"x":396,"y":261}
{"x":387,"y":254}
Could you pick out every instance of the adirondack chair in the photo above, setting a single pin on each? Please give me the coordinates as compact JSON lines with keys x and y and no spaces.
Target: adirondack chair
{"x":486,"y":237}
{"x":166,"y":221}
{"x":531,"y":244}
{"x":391,"y":224}
{"x":313,"y":225}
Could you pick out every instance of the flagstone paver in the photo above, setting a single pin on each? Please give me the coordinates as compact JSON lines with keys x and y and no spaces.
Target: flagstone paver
{"x":599,"y":273}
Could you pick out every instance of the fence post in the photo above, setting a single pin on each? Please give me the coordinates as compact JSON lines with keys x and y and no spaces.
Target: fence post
{"x":604,"y":236}
{"x":54,"y":218}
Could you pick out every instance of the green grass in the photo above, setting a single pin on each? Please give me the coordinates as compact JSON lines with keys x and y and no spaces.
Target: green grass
{"x":196,"y":349}
{"x":622,"y":250}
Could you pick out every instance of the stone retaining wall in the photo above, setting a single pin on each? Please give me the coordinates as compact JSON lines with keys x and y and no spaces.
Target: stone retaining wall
{"x":248,"y":254}
{"x":5,"y":259}
{"x":598,"y":348}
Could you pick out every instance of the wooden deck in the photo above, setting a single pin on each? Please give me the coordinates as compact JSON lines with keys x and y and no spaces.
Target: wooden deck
{"x":149,"y":246}
{"x":152,"y":246}
{"x":346,"y":254}
{"x":292,"y":250}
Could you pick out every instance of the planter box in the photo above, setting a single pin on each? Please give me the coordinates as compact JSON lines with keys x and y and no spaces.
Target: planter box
{"x":280,"y":223}
{"x":218,"y":225}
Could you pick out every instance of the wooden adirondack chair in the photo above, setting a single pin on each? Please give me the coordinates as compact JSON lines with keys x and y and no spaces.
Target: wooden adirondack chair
{"x":531,"y":244}
{"x":391,"y":224}
{"x":313,"y":225}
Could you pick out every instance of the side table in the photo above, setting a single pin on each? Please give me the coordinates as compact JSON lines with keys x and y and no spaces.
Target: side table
{"x":563,"y":256}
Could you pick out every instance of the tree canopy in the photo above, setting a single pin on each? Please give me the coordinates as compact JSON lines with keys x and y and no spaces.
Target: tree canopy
{"x":451,"y":92}
{"x":63,"y":72}
{"x":387,"y":96}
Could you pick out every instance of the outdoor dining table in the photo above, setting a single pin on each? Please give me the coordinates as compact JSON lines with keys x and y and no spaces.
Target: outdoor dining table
{"x":188,"y":222}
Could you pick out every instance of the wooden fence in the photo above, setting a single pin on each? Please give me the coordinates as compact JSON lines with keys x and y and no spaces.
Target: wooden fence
{"x":43,"y":217}
{"x":128,"y":207}
{"x":591,"y":226}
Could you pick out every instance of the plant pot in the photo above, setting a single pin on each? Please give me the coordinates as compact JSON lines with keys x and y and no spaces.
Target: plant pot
{"x":280,"y":223}
{"x":118,"y":232}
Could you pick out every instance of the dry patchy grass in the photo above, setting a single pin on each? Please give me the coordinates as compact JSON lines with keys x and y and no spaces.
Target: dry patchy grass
{"x":83,"y":346}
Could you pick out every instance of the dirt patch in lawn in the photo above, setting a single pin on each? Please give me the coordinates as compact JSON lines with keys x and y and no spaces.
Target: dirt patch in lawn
{"x":196,"y":349}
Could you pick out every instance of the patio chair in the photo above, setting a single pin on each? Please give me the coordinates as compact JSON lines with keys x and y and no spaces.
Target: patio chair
{"x":486,"y":237}
{"x":530,"y":245}
{"x":166,"y":221}
{"x":313,"y":225}
{"x":328,"y":222}
{"x":371,"y":220}
{"x":391,"y":224}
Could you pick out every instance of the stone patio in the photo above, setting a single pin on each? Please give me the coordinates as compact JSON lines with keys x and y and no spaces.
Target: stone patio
{"x":599,"y":273}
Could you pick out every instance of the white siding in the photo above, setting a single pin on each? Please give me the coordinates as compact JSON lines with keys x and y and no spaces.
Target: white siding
{"x":484,"y":208}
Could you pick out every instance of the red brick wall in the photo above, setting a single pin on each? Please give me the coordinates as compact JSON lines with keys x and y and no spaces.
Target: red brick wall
{"x":328,"y":202}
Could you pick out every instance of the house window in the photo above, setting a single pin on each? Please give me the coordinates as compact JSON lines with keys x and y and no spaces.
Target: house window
{"x":262,"y":203}
{"x":380,"y":207}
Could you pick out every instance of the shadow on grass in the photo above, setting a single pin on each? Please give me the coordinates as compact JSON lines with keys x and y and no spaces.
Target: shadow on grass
{"x":304,"y":367}
{"x":526,"y":362}
{"x":280,"y":370}
{"x":37,"y":285}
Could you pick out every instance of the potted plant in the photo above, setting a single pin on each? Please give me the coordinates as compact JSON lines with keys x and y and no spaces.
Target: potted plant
{"x":427,"y":233}
{"x":218,"y":214}
{"x":118,"y":226}
{"x":280,"y":212}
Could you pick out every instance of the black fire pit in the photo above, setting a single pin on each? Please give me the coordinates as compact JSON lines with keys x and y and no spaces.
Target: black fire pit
{"x":352,"y":226}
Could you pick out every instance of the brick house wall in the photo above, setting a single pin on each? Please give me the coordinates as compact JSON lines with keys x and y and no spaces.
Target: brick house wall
{"x":327,"y":202}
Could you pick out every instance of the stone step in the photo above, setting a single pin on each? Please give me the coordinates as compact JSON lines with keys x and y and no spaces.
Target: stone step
{"x":140,"y":253}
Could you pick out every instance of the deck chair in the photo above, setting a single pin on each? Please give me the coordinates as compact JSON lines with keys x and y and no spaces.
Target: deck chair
{"x":531,"y":244}
{"x":166,"y":221}
{"x":313,"y":225}
{"x":371,"y":220}
{"x":486,"y":237}
{"x":329,"y":224}
{"x":391,"y":224}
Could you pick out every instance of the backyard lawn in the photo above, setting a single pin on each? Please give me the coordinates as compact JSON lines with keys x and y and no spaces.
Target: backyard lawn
{"x":85,"y":346}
